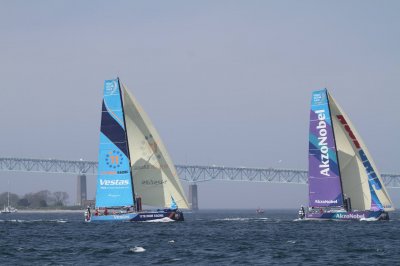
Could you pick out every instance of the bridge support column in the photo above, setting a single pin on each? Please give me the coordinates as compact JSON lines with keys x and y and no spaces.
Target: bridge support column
{"x":193,"y":197}
{"x":81,"y":195}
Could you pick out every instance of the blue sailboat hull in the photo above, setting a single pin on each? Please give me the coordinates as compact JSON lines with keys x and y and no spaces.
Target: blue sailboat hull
{"x":175,"y":215}
{"x":353,"y":215}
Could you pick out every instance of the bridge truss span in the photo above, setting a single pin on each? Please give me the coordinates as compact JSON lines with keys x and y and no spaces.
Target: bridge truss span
{"x":196,"y":174}
{"x":48,"y":166}
{"x":190,"y":173}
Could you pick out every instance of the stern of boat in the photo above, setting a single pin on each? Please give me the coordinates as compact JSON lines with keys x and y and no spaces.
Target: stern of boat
{"x":176,"y":215}
{"x":384,"y":216}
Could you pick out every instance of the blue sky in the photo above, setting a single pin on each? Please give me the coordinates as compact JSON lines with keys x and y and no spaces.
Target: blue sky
{"x":225,"y":82}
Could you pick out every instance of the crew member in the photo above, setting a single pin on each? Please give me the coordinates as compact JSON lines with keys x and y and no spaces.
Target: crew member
{"x":302,"y":213}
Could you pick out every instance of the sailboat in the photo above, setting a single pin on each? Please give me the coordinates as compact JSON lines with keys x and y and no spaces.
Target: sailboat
{"x":260,"y":210}
{"x":8,"y":209}
{"x":344,"y":183}
{"x":134,"y":166}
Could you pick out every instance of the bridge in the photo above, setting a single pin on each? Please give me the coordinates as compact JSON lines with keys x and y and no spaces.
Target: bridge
{"x":193,"y":174}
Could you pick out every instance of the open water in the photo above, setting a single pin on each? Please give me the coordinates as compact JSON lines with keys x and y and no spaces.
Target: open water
{"x":205,"y":238}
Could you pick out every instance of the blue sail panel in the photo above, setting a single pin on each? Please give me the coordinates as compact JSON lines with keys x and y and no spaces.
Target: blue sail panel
{"x":114,"y":182}
{"x":173,"y":206}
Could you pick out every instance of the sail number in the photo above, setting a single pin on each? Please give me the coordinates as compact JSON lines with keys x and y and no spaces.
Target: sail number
{"x":114,"y":159}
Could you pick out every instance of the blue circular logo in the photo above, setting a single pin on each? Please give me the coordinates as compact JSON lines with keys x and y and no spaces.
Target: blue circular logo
{"x":114,"y":159}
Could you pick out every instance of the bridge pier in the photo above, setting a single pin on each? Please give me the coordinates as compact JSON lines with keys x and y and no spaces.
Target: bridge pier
{"x":193,"y":197}
{"x":81,"y":195}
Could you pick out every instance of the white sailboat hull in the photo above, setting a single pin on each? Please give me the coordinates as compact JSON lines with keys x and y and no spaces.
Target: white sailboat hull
{"x":8,"y":210}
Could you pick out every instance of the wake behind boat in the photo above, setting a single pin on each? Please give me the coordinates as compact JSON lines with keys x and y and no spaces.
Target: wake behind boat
{"x":134,"y":166}
{"x":344,"y":183}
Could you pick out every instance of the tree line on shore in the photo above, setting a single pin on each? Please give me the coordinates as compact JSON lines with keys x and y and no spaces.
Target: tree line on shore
{"x":40,"y":199}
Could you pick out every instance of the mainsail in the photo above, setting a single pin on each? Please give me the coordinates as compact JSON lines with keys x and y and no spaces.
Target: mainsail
{"x":340,"y":166}
{"x":154,"y":175}
{"x":324,"y":177}
{"x":114,"y":182}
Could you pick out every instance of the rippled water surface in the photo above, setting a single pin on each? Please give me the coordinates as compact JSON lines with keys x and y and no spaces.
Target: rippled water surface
{"x":206,"y":237}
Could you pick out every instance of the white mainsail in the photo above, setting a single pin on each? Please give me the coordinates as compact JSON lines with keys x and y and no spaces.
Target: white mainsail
{"x":154,"y":175}
{"x":356,"y":164}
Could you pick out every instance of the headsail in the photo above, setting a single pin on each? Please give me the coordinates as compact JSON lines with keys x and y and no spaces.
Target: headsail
{"x":324,"y":176}
{"x":155,"y":177}
{"x":361,"y":180}
{"x":114,"y":182}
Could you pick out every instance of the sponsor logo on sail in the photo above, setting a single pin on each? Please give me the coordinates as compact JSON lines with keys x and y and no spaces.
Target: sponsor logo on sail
{"x":322,"y":142}
{"x":154,"y":182}
{"x":326,"y":201}
{"x":114,"y":159}
{"x":108,"y":172}
{"x":111,"y":87}
{"x":114,"y":182}
{"x":372,"y":176}
{"x":319,"y":97}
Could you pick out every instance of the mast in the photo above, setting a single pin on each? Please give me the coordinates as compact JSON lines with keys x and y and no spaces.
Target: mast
{"x":8,"y":194}
{"x":127,"y":141}
{"x":334,"y":141}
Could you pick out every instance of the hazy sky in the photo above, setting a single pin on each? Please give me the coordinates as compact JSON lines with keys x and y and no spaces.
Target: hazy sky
{"x":225,"y":82}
